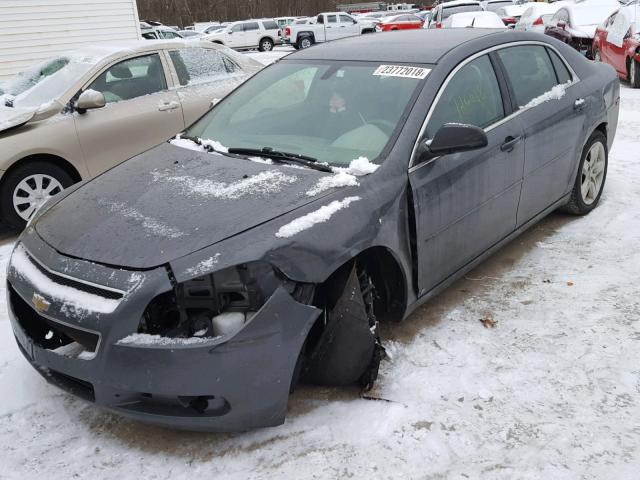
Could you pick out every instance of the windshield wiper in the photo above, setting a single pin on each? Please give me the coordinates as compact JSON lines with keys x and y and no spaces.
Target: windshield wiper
{"x":285,"y":157}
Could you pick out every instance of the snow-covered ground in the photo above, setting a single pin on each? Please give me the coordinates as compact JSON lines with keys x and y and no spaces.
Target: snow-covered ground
{"x":552,"y":391}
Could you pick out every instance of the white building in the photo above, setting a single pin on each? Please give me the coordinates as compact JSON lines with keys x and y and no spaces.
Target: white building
{"x":33,"y":30}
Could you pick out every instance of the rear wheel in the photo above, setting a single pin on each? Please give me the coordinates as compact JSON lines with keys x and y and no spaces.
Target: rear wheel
{"x":266,"y":45}
{"x":592,"y":173}
{"x":27,"y":187}
{"x":634,"y":73}
{"x":305,"y":42}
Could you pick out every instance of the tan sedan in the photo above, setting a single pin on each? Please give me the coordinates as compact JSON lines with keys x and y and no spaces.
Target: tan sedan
{"x":77,"y":115}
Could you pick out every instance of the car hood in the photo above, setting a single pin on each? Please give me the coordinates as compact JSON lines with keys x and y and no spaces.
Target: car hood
{"x":170,"y":202}
{"x":14,"y":117}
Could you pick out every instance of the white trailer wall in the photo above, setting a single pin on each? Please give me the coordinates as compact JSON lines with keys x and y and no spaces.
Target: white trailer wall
{"x":33,"y":30}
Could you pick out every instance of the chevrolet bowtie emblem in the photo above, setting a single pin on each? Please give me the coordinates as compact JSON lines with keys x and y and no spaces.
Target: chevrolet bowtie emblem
{"x":40,"y":303}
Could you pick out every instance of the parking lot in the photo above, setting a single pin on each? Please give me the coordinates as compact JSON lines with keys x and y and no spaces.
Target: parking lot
{"x":526,"y":368}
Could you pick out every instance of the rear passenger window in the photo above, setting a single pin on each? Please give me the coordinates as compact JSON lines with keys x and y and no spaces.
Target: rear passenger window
{"x":271,"y":25}
{"x":198,"y":65}
{"x":562,"y":72}
{"x":530,"y":70}
{"x":471,"y":97}
{"x":251,"y":26}
{"x":332,"y":19}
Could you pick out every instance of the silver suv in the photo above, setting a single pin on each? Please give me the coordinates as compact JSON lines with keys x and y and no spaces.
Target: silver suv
{"x":249,"y":34}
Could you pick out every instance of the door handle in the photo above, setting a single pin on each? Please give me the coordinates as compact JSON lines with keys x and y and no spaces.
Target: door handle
{"x":510,"y":143}
{"x":163,"y":107}
{"x":579,"y":104}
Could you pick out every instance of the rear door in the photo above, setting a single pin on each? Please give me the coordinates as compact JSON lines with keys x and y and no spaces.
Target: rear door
{"x":466,"y":202}
{"x":553,"y":117}
{"x":252,"y":34}
{"x":332,"y":27}
{"x":205,"y":75}
{"x":141,"y":112}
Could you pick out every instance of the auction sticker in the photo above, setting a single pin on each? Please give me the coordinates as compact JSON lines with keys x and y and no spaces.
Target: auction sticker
{"x":403,"y":71}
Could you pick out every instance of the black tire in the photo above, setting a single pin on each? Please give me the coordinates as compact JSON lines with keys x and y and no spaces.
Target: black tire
{"x":266,"y":45}
{"x":11,"y":181}
{"x":577,"y":204}
{"x":634,"y":73}
{"x":304,"y":42}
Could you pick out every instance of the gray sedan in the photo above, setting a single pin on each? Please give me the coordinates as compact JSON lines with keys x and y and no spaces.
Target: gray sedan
{"x":196,"y":284}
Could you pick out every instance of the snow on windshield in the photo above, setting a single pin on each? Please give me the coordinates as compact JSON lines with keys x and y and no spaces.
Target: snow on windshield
{"x":344,"y":177}
{"x":48,"y":80}
{"x":583,"y":15}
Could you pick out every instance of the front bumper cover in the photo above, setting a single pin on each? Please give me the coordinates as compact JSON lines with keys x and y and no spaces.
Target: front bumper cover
{"x":226,"y":384}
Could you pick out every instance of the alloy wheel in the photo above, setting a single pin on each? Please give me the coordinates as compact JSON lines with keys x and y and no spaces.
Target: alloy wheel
{"x":593,"y":173}
{"x":305,"y":43}
{"x":32,"y":192}
{"x":266,"y":46}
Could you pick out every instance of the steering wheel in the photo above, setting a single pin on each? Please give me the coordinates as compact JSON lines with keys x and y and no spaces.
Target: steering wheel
{"x":385,"y":125}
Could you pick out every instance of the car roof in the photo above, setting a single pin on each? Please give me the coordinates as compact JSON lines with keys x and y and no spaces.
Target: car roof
{"x":457,"y":3}
{"x":409,"y":46}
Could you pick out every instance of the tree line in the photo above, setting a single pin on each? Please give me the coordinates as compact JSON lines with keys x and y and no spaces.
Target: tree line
{"x":186,"y":12}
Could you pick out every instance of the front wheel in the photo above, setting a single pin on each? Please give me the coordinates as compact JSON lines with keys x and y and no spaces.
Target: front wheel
{"x":592,"y":173}
{"x":634,"y":73}
{"x":266,"y":45}
{"x":27,"y":187}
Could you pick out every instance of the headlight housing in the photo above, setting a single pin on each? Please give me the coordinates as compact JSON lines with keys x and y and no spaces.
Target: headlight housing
{"x":212,"y":305}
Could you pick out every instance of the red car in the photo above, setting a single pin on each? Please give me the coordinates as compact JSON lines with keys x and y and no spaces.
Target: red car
{"x":617,"y":42}
{"x":399,"y":22}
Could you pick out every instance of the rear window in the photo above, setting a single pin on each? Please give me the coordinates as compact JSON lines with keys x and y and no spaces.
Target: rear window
{"x":270,"y":25}
{"x":448,"y":11}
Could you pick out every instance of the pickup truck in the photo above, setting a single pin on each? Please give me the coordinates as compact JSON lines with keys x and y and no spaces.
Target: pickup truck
{"x":328,"y":26}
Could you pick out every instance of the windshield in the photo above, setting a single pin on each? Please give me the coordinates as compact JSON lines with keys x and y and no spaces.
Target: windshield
{"x":45,"y":82}
{"x":333,"y":112}
{"x":592,"y":15}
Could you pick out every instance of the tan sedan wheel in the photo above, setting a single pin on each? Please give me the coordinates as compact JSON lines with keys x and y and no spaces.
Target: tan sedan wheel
{"x":26,"y":188}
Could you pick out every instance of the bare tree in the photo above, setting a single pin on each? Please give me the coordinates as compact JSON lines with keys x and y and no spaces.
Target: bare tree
{"x":185,"y":12}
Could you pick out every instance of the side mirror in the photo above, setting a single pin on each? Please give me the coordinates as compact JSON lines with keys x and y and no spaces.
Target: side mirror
{"x":452,"y":138}
{"x":562,"y":25}
{"x":90,"y":99}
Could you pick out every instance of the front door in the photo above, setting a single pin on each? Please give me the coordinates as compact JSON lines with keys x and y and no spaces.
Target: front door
{"x":347,"y":27}
{"x":141,"y":112}
{"x":236,"y":36}
{"x":466,"y":202}
{"x":553,"y":117}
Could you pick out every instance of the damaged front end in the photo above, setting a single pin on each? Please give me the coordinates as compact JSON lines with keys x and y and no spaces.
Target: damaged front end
{"x":343,"y":347}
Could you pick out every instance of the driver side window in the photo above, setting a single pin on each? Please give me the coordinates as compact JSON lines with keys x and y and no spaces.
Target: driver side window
{"x":131,"y":78}
{"x":472,"y":97}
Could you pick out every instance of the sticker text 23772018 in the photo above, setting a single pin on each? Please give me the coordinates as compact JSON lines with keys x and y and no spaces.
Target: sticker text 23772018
{"x":402,"y":71}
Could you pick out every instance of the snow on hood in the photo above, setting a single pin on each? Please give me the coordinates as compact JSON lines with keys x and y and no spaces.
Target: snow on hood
{"x":320,"y":215}
{"x":170,"y":202}
{"x":14,"y":117}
